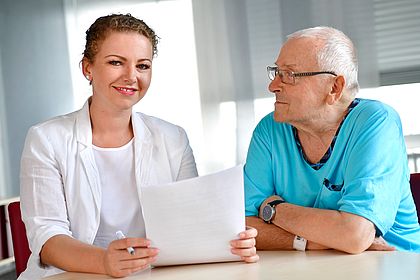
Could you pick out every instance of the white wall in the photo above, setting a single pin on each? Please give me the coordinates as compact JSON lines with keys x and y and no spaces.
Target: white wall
{"x":35,"y":74}
{"x":4,"y":174}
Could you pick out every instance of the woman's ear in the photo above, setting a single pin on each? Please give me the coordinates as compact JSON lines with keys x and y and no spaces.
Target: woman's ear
{"x":336,"y":90}
{"x":86,"y":65}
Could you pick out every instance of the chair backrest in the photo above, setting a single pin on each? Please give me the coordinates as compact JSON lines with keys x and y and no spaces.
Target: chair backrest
{"x":415,"y":190}
{"x":20,"y":241}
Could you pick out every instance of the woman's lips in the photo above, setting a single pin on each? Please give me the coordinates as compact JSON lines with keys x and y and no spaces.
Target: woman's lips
{"x":126,"y":91}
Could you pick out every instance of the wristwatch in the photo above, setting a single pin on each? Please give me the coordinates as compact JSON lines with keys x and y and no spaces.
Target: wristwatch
{"x":269,"y":211}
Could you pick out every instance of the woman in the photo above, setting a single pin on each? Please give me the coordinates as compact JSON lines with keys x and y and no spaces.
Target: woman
{"x":81,"y":172}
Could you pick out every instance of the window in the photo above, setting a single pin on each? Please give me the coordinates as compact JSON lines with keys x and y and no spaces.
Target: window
{"x":213,"y":54}
{"x":174,"y":84}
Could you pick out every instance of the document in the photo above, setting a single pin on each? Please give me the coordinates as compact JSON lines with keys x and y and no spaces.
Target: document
{"x":193,"y":221}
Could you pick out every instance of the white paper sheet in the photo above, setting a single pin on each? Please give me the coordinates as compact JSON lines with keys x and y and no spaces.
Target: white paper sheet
{"x":193,"y":221}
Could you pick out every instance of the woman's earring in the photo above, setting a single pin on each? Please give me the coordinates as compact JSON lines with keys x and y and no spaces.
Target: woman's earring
{"x":89,"y":79}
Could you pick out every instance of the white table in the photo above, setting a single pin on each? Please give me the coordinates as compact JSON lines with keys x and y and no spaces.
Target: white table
{"x":287,"y":265}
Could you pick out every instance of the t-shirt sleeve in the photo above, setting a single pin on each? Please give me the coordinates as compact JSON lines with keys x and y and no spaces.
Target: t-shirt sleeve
{"x":258,"y":174}
{"x":376,"y":168}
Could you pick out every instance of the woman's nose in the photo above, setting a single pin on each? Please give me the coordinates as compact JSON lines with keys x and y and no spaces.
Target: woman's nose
{"x":130,"y":74}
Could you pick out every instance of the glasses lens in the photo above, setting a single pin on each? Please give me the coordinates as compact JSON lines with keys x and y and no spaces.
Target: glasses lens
{"x":271,"y":71}
{"x":287,"y":77}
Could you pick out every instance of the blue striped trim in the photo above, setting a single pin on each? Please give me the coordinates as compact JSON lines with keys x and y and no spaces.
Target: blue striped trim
{"x":328,"y":153}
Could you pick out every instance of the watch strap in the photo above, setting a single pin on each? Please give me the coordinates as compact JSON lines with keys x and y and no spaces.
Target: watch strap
{"x":276,"y":202}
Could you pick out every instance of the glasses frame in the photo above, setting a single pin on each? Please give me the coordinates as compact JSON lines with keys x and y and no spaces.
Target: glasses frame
{"x":292,"y":74}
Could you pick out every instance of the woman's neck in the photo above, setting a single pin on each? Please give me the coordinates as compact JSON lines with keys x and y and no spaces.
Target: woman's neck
{"x":110,"y":129}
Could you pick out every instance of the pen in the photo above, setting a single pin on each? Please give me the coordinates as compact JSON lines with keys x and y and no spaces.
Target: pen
{"x":120,"y":235}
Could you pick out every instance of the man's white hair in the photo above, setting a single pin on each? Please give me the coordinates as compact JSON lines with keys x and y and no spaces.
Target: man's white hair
{"x":338,"y":54}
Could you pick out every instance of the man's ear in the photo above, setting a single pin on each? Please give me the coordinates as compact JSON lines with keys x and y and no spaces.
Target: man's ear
{"x":336,"y":90}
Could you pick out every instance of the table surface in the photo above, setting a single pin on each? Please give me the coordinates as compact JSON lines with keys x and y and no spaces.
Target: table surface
{"x":287,"y":265}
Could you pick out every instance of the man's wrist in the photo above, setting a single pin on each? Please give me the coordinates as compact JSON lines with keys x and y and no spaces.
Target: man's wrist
{"x":299,"y":243}
{"x":268,"y":213}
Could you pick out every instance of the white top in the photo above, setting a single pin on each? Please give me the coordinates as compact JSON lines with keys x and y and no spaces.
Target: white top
{"x":120,"y":208}
{"x":60,"y":186}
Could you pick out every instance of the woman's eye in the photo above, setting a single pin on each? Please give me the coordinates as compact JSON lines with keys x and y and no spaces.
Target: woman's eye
{"x":143,"y":66}
{"x":115,"y":62}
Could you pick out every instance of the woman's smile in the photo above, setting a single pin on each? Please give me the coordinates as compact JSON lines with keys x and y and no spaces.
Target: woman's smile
{"x":126,"y":90}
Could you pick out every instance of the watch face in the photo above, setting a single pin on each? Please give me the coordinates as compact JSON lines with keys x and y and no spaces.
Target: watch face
{"x":267,"y":213}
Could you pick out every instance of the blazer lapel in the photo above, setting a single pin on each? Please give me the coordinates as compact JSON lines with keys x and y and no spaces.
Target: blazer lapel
{"x":143,"y":148}
{"x":84,"y":139}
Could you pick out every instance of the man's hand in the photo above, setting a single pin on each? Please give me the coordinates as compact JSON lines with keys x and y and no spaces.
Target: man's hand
{"x":379,"y":244}
{"x":245,"y":245}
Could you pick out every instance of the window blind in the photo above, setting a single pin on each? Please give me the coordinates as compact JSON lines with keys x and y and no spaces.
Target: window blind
{"x":397,"y":31}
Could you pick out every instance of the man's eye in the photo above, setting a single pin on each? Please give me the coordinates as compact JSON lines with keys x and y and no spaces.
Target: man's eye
{"x":115,"y":62}
{"x":143,"y":66}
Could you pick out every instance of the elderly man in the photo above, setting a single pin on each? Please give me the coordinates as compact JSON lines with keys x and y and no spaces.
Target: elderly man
{"x":326,"y":169}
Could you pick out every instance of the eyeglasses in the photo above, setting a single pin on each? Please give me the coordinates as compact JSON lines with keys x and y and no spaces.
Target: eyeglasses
{"x":288,"y":77}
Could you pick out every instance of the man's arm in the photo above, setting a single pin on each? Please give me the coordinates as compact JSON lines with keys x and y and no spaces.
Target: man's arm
{"x":272,"y":237}
{"x":333,"y":229}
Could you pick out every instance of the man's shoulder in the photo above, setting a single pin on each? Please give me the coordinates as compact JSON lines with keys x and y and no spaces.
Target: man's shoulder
{"x":374,"y":110}
{"x":268,"y":122}
{"x":371,"y":115}
{"x":371,"y":107}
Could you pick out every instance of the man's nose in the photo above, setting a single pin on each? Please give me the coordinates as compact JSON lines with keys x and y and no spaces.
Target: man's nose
{"x":274,"y":85}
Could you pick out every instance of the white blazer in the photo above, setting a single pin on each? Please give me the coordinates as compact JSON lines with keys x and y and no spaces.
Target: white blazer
{"x":60,"y":191}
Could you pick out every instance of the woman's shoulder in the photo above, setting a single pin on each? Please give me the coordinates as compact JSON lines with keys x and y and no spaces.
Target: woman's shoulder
{"x":54,"y":134}
{"x":55,"y":129}
{"x":57,"y":121}
{"x":157,"y":125}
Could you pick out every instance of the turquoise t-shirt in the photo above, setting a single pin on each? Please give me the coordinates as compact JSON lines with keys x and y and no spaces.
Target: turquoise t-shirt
{"x":367,"y":172}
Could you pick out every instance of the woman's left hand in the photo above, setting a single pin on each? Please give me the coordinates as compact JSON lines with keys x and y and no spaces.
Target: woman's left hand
{"x":245,"y":245}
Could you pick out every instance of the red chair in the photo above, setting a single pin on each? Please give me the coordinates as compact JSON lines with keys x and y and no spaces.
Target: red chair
{"x":20,"y":241}
{"x":415,"y":190}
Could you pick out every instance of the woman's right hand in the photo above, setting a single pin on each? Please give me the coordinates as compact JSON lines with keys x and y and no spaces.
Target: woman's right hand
{"x":118,"y":262}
